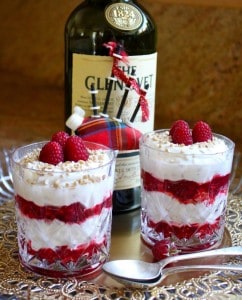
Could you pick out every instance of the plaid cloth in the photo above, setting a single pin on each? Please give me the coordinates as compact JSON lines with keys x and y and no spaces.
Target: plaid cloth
{"x":111,"y":133}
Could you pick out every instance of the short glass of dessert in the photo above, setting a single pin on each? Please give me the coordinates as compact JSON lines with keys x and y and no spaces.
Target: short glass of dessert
{"x":184,"y":190}
{"x":64,"y":211}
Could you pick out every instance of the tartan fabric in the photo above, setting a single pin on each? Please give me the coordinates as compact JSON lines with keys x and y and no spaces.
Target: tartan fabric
{"x":111,"y":133}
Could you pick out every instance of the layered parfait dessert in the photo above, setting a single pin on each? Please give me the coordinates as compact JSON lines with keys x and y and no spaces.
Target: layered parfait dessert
{"x":63,"y":205}
{"x":185,"y":181}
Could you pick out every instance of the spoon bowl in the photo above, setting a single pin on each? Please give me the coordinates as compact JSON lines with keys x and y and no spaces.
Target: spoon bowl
{"x":137,"y":270}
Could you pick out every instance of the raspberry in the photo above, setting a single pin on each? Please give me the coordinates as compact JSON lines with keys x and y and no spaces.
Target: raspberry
{"x":176,"y":124}
{"x":201,"y":132}
{"x":75,"y":149}
{"x":181,"y":133}
{"x":60,"y":137}
{"x":51,"y":153}
{"x":163,"y":249}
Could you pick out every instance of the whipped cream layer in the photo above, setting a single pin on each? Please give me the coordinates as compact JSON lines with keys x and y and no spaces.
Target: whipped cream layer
{"x":159,"y":206}
{"x":198,"y":162}
{"x":55,"y":234}
{"x":87,"y":182}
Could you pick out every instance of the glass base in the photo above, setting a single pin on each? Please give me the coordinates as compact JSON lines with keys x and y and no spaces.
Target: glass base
{"x":82,"y":261}
{"x":187,"y":238}
{"x":85,"y":274}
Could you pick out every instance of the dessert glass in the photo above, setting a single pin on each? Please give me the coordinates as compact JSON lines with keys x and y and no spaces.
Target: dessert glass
{"x":184,"y":194}
{"x":64,"y":217}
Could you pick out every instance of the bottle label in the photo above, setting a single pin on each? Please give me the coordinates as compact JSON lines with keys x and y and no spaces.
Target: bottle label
{"x":92,"y":69}
{"x":123,"y":16}
{"x":127,"y":170}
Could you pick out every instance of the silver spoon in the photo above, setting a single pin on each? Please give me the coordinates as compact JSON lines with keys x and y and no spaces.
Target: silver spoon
{"x":144,"y":271}
{"x":174,"y":270}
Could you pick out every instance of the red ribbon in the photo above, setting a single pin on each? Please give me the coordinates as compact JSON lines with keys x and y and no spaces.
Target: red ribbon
{"x":144,"y":108}
{"x":129,"y":81}
{"x":113,"y":46}
{"x":117,"y":72}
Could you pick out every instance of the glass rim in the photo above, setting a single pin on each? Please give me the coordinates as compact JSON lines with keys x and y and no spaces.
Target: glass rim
{"x":35,"y":144}
{"x":230,"y":144}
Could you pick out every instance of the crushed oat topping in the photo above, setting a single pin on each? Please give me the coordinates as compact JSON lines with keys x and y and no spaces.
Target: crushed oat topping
{"x":162,"y":140}
{"x":97,"y":158}
{"x":65,"y":174}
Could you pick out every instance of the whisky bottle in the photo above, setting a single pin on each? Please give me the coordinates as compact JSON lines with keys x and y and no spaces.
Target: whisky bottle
{"x":90,"y":26}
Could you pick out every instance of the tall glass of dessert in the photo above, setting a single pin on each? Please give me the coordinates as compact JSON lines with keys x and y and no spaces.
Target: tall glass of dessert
{"x":184,"y":190}
{"x":64,"y":211}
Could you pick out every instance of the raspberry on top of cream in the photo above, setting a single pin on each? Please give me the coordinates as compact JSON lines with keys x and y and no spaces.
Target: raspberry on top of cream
{"x":193,"y":159}
{"x":65,"y":174}
{"x":163,"y":141}
{"x":96,"y":159}
{"x":65,"y":161}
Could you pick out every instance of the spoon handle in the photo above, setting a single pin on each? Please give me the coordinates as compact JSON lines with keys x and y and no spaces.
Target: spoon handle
{"x":180,"y":269}
{"x":229,"y":251}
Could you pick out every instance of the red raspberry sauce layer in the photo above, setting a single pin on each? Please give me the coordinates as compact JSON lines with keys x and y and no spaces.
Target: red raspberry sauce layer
{"x":74,"y":213}
{"x":195,"y":232}
{"x":186,"y":191}
{"x":185,"y":231}
{"x":65,"y":255}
